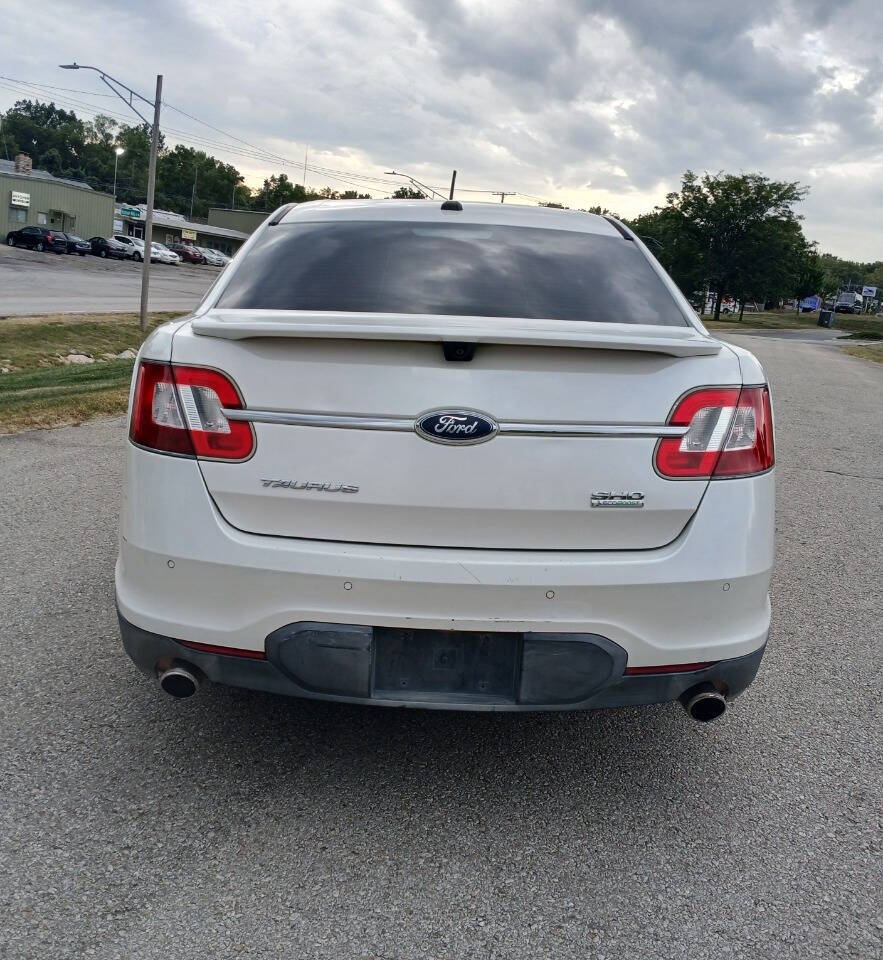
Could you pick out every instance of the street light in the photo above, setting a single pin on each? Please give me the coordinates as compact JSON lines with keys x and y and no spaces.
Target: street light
{"x":117,"y":88}
{"x":417,"y":183}
{"x":118,"y":151}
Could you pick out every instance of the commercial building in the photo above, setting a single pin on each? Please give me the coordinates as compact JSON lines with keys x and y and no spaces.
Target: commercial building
{"x":36,"y":198}
{"x":169,"y":227}
{"x":246,"y":220}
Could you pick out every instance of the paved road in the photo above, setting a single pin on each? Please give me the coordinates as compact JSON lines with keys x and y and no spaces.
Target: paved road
{"x":35,"y":283}
{"x":243,"y":825}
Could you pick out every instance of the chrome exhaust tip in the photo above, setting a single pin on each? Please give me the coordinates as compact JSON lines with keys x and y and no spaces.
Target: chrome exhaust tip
{"x":179,"y":682}
{"x":704,"y":702}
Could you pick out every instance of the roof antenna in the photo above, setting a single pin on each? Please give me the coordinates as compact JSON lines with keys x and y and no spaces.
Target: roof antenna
{"x":453,"y":181}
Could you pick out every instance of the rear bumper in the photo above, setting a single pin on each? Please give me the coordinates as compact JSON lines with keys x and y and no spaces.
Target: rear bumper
{"x":549,"y":679}
{"x":184,"y":572}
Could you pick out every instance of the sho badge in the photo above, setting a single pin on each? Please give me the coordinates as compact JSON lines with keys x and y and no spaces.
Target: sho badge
{"x":311,"y":485}
{"x":617,"y":498}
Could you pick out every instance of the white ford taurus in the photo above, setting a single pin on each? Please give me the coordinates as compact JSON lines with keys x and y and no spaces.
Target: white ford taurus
{"x":468,"y":456}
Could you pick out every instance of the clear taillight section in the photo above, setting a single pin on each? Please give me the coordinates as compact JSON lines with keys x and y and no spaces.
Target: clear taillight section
{"x":729,"y":434}
{"x":181,"y":410}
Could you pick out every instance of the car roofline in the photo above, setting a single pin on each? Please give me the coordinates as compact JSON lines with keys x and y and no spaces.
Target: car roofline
{"x":417,"y":211}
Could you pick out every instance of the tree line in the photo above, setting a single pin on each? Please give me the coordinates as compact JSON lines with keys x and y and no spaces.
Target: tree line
{"x":188,"y":181}
{"x":719,"y":235}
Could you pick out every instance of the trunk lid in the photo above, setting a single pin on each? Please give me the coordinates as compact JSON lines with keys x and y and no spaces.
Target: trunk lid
{"x":336,"y":410}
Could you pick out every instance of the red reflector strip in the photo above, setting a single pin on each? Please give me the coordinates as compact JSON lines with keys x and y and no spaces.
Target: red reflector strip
{"x":668,"y":668}
{"x":224,"y":651}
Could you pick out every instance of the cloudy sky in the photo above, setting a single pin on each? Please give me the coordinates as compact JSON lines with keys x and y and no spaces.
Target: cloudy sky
{"x":579,"y":101}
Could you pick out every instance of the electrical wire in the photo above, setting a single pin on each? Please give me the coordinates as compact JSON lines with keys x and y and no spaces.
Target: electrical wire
{"x":254,"y":152}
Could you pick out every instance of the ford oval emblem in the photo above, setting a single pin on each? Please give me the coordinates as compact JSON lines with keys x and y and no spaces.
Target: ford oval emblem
{"x":459,"y":427}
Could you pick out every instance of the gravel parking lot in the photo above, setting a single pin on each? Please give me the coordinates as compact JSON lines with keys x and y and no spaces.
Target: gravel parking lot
{"x":245,"y":825}
{"x":36,"y":283}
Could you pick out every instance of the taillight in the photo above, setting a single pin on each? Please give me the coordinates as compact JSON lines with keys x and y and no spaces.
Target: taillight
{"x":729,"y":434}
{"x":181,"y":410}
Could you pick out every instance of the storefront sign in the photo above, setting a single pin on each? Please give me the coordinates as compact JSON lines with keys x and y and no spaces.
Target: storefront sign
{"x":187,"y":233}
{"x":133,"y":213}
{"x":19,"y":199}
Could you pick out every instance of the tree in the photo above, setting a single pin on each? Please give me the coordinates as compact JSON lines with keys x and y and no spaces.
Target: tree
{"x":408,"y":193}
{"x":738,"y":227}
{"x":675,"y":247}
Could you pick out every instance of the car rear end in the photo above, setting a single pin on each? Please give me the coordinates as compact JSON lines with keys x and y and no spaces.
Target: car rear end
{"x":465,"y":458}
{"x":55,"y":241}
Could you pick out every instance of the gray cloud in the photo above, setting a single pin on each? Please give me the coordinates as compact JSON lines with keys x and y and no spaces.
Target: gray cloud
{"x":622,"y":95}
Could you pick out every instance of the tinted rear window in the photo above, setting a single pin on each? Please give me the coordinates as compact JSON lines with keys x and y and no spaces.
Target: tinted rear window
{"x":450,"y":269}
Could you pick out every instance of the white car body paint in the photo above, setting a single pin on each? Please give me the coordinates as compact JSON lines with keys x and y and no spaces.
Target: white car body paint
{"x":495,"y":537}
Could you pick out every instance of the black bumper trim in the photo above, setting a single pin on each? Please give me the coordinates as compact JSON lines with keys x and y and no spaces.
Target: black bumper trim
{"x":152,"y":652}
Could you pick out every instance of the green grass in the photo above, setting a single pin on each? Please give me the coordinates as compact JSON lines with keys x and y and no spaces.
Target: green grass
{"x":871,"y":351}
{"x":39,"y":391}
{"x":868,"y":328}
{"x":63,"y":395}
{"x":26,"y":342}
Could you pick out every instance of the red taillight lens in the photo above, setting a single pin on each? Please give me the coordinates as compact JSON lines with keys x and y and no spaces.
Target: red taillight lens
{"x":729,"y":434}
{"x":181,"y":410}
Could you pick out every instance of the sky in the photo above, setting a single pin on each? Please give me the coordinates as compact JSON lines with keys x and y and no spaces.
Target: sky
{"x":582,"y":102}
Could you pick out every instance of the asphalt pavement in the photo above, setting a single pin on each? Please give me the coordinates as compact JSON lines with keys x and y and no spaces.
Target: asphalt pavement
{"x":34,"y":283}
{"x":246,"y":825}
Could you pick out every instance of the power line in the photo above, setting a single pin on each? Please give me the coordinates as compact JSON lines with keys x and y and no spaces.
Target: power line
{"x":254,"y":152}
{"x":49,"y":86}
{"x":358,"y":181}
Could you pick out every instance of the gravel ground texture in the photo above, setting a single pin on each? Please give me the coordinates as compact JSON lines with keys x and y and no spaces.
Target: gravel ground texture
{"x":247,"y":825}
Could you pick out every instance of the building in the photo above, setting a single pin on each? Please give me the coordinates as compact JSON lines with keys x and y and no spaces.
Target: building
{"x":169,"y":227}
{"x":36,"y":198}
{"x":246,"y":220}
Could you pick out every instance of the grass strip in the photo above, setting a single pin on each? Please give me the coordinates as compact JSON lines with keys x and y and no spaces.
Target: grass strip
{"x":870,"y":351}
{"x":53,"y":396}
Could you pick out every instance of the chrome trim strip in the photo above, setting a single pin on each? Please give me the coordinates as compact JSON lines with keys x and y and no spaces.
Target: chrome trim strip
{"x":407,"y":425}
{"x":403,"y":424}
{"x":591,"y":430}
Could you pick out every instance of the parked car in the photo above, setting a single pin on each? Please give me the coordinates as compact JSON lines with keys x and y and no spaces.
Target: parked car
{"x":188,"y":253}
{"x":162,"y":254}
{"x":134,"y":246}
{"x":484,"y":480}
{"x":38,"y":238}
{"x":76,"y":244}
{"x":849,"y":302}
{"x":107,"y":247}
{"x":212,"y":257}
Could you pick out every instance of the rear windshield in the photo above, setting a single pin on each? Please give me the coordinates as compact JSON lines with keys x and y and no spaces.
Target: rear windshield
{"x":450,"y":269}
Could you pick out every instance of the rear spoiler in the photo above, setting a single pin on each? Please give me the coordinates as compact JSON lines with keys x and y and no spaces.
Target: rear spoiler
{"x":249,"y":324}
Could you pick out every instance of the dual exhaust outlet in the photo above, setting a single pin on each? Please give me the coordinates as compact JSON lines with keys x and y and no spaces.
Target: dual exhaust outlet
{"x":703,"y":703}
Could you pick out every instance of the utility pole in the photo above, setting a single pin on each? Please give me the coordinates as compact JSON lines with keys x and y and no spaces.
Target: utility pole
{"x":453,"y":181}
{"x":117,"y":88}
{"x":193,"y":191}
{"x":151,"y":187}
{"x":502,"y":194}
{"x":304,"y":181}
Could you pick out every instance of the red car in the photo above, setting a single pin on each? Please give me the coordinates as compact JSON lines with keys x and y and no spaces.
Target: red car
{"x":187,"y":253}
